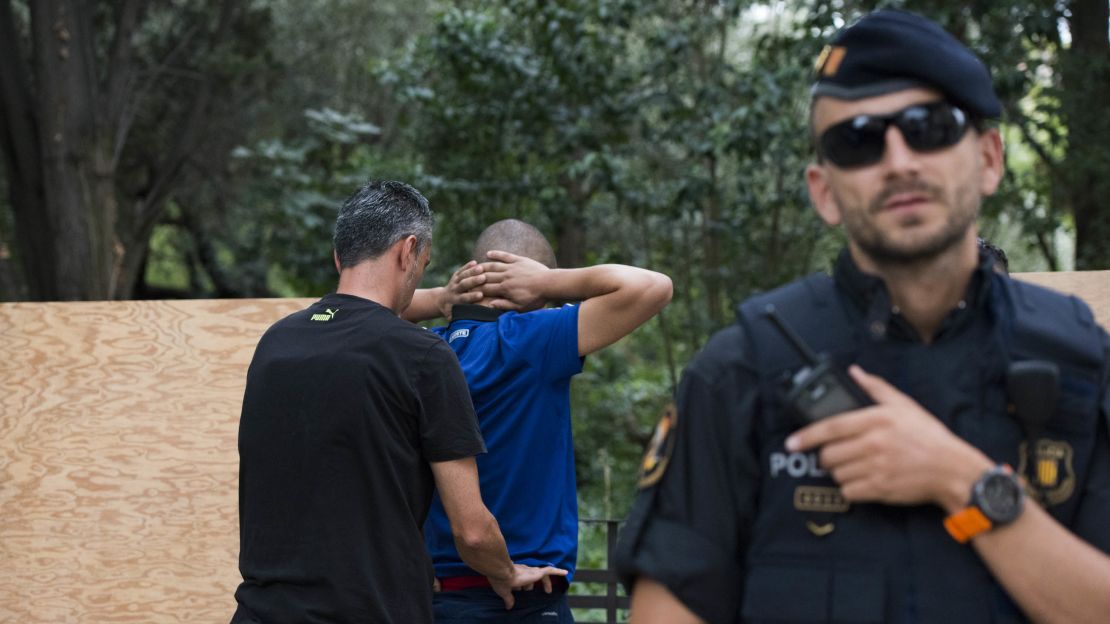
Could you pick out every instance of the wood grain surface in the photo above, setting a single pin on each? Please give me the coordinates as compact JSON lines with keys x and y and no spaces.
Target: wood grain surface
{"x":118,"y":462}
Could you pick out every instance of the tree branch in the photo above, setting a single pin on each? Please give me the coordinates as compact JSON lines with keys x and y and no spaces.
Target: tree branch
{"x":130,"y":106}
{"x":121,"y":76}
{"x":1046,"y":251}
{"x":1026,"y":133}
{"x":191,"y":130}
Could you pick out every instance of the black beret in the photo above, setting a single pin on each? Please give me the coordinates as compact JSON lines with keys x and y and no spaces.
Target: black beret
{"x":892,"y":50}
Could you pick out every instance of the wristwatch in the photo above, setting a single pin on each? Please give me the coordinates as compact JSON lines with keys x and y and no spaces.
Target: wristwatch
{"x":996,"y":500}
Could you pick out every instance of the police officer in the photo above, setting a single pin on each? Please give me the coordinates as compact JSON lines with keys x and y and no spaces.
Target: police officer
{"x":916,"y":438}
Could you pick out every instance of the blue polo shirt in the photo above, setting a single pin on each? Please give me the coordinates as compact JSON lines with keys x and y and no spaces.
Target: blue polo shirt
{"x":518,"y":368}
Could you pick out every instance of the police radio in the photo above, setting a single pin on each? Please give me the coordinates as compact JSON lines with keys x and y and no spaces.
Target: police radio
{"x":820,"y":388}
{"x":1033,"y":387}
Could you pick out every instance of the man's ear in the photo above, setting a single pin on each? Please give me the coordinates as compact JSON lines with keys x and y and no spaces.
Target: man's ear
{"x":821,"y":195}
{"x":992,"y":153}
{"x":407,"y":249}
{"x":335,"y":256}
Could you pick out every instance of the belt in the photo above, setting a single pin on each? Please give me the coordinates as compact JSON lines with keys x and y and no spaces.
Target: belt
{"x":456,"y":583}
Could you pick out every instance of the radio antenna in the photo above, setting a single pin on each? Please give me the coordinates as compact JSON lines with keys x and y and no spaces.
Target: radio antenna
{"x":794,"y":339}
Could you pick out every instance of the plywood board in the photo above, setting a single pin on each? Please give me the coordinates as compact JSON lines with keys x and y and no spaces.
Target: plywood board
{"x":118,"y":462}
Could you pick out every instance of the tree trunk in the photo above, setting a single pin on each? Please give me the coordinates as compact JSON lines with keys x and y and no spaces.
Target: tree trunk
{"x":1086,"y":79}
{"x":79,"y":232}
{"x":19,"y":142}
{"x":570,"y":236}
{"x":711,"y":243}
{"x":62,"y":135}
{"x":570,"y":231}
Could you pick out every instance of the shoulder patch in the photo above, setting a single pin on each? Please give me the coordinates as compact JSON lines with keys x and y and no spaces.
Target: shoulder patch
{"x":659,"y":449}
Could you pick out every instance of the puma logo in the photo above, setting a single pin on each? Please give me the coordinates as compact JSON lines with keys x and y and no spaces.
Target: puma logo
{"x":327,"y":316}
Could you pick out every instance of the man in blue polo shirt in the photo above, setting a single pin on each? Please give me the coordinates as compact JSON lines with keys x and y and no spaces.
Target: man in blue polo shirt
{"x":518,"y":358}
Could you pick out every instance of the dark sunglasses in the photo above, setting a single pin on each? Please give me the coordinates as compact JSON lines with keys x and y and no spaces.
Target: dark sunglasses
{"x":861,"y":140}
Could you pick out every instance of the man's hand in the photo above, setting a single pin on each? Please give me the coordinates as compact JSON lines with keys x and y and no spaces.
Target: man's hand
{"x":524,"y":577}
{"x":462,"y":287}
{"x":893,"y":452}
{"x":514,"y":282}
{"x":430,"y":303}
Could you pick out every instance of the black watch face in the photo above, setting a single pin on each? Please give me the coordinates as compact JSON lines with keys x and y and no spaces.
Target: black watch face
{"x":1000,"y":498}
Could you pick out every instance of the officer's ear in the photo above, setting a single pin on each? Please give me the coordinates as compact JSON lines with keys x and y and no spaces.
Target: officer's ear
{"x":820,"y":193}
{"x":991,"y":154}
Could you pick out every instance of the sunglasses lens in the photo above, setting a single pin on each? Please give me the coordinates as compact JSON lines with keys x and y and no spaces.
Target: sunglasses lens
{"x":856,"y":142}
{"x":860,"y":141}
{"x":934,"y":127}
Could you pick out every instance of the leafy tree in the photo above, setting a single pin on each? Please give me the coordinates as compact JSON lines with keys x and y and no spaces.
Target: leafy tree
{"x":659,"y":134}
{"x":104,"y":106}
{"x":259,"y":216}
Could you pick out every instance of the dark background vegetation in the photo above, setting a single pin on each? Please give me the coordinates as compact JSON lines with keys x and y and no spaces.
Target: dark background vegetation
{"x":200,"y":148}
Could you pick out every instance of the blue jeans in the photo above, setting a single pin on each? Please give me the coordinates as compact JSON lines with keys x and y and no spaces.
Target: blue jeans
{"x":480,"y":604}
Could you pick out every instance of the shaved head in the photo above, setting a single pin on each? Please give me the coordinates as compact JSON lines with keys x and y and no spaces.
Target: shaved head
{"x":515,"y":237}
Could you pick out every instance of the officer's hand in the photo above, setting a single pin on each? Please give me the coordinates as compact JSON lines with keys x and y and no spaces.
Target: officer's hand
{"x":462,"y":287}
{"x":525,"y":578}
{"x":514,"y":282}
{"x":893,"y":452}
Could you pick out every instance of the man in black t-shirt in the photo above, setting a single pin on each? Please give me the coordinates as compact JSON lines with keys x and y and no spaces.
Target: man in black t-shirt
{"x":351,"y":417}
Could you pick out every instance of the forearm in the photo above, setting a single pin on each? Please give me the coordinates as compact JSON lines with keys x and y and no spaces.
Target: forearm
{"x":482,"y":547}
{"x":653,"y":603}
{"x":619,"y":299}
{"x":589,"y":282}
{"x":1053,"y":575}
{"x":425,"y":305}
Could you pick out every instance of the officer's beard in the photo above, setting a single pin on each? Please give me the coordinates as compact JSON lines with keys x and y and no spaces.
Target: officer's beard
{"x":886,"y":250}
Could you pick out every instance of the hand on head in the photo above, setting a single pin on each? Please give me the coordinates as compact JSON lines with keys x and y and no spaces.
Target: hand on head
{"x":463,"y":287}
{"x":513,"y":282}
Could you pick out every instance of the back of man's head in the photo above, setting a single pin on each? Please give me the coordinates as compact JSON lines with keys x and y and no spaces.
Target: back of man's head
{"x":378,"y":215}
{"x":515,"y":237}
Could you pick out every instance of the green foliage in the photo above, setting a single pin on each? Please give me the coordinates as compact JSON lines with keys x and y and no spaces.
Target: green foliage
{"x":674,"y":135}
{"x":659,"y":134}
{"x":259,"y":200}
{"x":295,"y":189}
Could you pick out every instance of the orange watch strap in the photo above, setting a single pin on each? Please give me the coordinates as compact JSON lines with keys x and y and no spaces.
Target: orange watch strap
{"x":966,"y":524}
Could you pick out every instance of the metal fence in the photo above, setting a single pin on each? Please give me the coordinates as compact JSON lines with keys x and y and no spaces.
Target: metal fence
{"x":613,"y":602}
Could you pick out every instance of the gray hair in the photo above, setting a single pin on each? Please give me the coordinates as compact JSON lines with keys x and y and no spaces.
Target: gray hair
{"x":378,"y":215}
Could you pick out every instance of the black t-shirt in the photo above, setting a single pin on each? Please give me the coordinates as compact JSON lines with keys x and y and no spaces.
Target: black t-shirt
{"x":345,"y":405}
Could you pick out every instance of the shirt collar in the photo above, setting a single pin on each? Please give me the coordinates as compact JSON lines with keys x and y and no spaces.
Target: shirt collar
{"x":869,"y":294}
{"x":471,"y":312}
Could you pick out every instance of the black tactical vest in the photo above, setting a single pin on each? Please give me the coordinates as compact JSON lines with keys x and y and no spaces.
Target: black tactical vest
{"x":814,"y":557}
